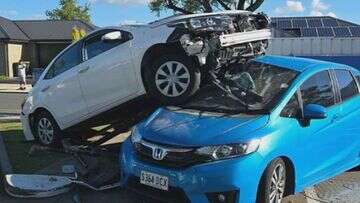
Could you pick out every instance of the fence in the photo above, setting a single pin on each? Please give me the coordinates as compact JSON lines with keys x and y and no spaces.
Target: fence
{"x":308,"y":46}
{"x":339,"y":50}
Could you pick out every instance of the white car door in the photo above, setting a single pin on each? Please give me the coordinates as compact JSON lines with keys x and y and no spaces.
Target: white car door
{"x":61,"y":91}
{"x":107,"y":76}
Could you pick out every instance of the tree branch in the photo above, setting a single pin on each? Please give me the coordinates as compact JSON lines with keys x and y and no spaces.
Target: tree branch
{"x":224,"y":5}
{"x":207,"y":6}
{"x":241,"y":5}
{"x":169,"y":4}
{"x":254,"y":5}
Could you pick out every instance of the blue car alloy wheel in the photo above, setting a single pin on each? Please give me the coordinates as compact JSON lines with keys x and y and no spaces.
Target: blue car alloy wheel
{"x":276,"y":126}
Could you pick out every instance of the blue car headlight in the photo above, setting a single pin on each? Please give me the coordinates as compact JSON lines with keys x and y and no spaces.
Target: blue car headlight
{"x":135,"y":136}
{"x":220,"y":152}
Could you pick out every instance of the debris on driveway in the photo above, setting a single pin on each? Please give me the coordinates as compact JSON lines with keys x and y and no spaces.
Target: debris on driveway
{"x":90,"y":167}
{"x":41,"y":186}
{"x":36,"y":186}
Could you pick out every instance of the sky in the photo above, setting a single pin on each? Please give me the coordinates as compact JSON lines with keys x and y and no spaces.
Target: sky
{"x":115,"y":12}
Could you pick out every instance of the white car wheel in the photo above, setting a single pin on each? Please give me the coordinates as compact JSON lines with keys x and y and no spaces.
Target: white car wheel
{"x":172,"y":79}
{"x":45,"y":131}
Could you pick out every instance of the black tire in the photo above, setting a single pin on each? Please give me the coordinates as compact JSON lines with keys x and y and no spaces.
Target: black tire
{"x":2,"y":183}
{"x":267,"y":188}
{"x":47,"y":139}
{"x":153,"y":75}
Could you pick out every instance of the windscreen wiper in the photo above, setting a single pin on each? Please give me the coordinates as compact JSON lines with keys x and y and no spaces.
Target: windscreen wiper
{"x":226,"y":89}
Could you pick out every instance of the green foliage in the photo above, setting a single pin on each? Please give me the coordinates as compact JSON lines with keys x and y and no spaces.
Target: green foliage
{"x":77,"y":34}
{"x":198,"y":6}
{"x":70,"y":10}
{"x":4,"y":77}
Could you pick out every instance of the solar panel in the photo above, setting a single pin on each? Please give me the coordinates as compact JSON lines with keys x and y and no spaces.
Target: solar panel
{"x":309,"y":32}
{"x":284,"y":24}
{"x":343,"y":23}
{"x":330,"y":22}
{"x":292,"y":32}
{"x":325,"y":32}
{"x":299,"y":23}
{"x":314,"y":22}
{"x":355,"y":31}
{"x":284,"y":18}
{"x":342,"y":32}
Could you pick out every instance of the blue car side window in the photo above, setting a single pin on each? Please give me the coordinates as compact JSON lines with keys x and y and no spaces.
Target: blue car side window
{"x":347,"y":84}
{"x":318,"y":90}
{"x":358,"y":81}
{"x":292,"y":108}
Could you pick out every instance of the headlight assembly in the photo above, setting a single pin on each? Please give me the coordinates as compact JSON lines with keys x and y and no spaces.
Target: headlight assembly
{"x":207,"y":23}
{"x":135,"y":136}
{"x":229,"y":151}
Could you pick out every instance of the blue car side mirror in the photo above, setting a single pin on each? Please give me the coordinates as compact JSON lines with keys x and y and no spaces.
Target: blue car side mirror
{"x":314,"y":111}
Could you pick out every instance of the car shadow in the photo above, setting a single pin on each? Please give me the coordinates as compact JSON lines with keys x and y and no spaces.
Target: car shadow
{"x":109,"y":129}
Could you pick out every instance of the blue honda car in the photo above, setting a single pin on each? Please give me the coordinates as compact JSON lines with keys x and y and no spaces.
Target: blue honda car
{"x":269,"y":128}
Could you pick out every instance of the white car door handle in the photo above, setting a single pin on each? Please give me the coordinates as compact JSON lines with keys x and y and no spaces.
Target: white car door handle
{"x":83,"y":70}
{"x":45,"y":89}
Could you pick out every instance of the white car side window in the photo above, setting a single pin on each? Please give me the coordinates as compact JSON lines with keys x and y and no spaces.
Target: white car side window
{"x":69,"y":59}
{"x":97,"y":45}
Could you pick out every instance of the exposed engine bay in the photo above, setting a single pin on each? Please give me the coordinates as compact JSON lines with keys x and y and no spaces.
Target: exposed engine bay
{"x":221,"y":40}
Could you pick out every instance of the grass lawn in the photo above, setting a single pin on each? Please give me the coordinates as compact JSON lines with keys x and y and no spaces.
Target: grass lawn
{"x":18,"y":149}
{"x":3,"y":77}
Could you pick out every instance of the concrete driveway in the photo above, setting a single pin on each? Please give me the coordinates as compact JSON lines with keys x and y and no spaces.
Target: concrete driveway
{"x":342,"y":189}
{"x":10,"y":102}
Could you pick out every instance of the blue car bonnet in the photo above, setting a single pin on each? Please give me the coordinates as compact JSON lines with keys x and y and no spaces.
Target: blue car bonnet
{"x":193,"y":129}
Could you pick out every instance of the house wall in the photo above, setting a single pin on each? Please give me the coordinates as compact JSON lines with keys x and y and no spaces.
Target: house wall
{"x":2,"y":59}
{"x":15,"y":55}
{"x":38,"y":54}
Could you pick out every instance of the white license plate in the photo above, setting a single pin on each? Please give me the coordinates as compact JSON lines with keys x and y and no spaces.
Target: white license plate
{"x":154,"y":180}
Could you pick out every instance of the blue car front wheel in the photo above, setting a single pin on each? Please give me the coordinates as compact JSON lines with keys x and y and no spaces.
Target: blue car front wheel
{"x":274,"y":183}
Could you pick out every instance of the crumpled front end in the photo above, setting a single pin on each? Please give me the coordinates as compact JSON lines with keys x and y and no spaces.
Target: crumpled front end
{"x":221,"y":39}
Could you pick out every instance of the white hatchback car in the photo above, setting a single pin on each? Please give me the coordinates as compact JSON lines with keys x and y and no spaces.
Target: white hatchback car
{"x":166,"y":59}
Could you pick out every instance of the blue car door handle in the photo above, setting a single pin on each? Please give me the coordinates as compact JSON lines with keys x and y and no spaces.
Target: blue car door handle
{"x":335,"y":118}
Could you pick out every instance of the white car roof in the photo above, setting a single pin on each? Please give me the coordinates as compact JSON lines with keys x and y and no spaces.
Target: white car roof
{"x":173,"y":18}
{"x":181,"y":17}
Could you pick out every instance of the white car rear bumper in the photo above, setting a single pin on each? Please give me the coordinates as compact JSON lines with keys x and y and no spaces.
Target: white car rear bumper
{"x":244,"y":37}
{"x":26,"y":127}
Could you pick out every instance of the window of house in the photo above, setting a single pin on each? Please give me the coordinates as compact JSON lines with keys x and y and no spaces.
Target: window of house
{"x":69,"y":59}
{"x":347,"y":84}
{"x":318,"y":90}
